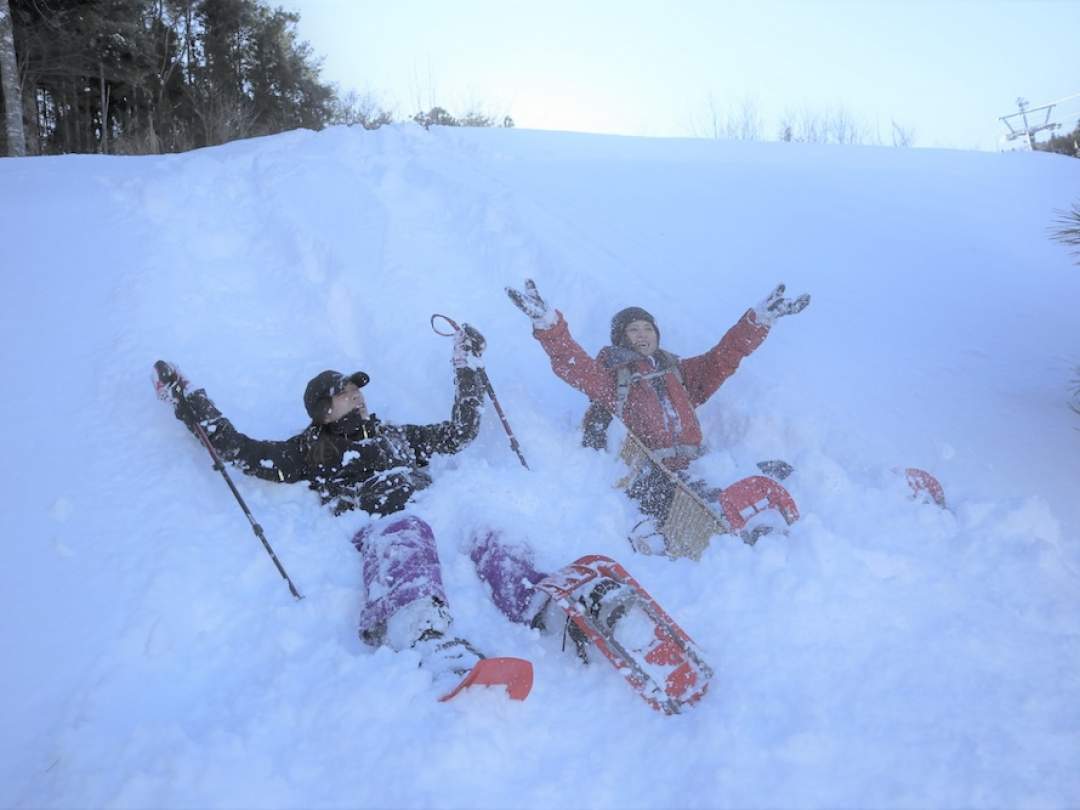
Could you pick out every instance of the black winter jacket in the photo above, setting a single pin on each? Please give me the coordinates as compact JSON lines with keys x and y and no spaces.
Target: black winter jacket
{"x":371,"y":465}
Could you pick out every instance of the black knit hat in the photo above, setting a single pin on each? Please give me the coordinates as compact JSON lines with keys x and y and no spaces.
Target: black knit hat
{"x":322,"y":387}
{"x":623,"y":318}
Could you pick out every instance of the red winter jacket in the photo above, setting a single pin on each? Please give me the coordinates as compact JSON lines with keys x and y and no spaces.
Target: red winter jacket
{"x":644,"y":413}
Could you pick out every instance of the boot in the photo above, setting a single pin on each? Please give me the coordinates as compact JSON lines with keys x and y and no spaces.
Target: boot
{"x":446,"y":656}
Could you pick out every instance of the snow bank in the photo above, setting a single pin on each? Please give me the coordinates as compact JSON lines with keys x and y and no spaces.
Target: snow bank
{"x":886,"y":654}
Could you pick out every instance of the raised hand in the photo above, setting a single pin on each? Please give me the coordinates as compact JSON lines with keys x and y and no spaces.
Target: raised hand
{"x":469,"y":345}
{"x":532,"y":305}
{"x":170,"y":384}
{"x":776,"y":306}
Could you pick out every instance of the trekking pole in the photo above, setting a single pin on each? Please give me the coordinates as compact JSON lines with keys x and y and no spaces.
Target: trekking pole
{"x":487,"y":388}
{"x":219,"y":465}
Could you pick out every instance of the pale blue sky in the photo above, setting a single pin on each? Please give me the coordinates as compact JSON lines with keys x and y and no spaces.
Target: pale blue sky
{"x":947,"y":70}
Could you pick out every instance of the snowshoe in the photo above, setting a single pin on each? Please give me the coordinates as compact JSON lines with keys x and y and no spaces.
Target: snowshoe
{"x":656,"y":657}
{"x":925,"y":486}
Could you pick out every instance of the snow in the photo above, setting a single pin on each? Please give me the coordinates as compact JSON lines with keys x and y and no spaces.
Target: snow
{"x":887,"y":653}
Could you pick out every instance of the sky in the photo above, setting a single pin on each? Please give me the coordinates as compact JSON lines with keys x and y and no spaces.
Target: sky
{"x":943,"y":71}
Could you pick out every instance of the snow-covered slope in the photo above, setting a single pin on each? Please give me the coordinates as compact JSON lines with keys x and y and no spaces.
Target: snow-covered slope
{"x":886,"y":653}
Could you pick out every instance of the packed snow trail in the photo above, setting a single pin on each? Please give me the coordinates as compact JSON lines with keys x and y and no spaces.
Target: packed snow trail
{"x":887,"y":653}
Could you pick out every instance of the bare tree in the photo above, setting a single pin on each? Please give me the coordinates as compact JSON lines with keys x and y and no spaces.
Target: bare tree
{"x":844,"y":128}
{"x":480,"y":112}
{"x":801,"y":126}
{"x":744,"y":121}
{"x":902,"y":136}
{"x":223,"y":117}
{"x":737,"y":121}
{"x":832,"y":125}
{"x":354,"y":109}
{"x":9,"y":75}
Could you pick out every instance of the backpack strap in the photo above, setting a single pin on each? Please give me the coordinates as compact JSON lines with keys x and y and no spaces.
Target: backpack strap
{"x":624,"y":377}
{"x":621,"y":359}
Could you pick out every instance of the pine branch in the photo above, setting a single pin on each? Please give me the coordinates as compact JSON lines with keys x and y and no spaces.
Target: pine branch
{"x":1067,"y":229}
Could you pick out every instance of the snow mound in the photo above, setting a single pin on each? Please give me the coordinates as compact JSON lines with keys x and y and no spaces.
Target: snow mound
{"x":887,"y":653}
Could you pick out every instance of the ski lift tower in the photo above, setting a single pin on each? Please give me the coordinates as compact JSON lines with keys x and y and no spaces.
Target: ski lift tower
{"x":1029,"y":129}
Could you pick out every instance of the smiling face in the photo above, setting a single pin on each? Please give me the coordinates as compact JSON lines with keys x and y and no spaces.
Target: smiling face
{"x":350,"y":399}
{"x":641,"y":337}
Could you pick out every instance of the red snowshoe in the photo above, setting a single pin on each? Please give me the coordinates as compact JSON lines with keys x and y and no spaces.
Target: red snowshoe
{"x":608,"y":606}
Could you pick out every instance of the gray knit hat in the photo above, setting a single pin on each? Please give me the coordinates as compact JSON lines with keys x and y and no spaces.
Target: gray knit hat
{"x":623,"y":318}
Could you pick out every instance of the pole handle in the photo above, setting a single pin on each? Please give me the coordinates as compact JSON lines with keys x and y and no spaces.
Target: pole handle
{"x":453,"y":325}
{"x":487,"y":387}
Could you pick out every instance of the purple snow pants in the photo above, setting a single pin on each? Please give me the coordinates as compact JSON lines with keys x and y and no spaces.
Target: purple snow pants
{"x":508,"y":570}
{"x":401,"y":567}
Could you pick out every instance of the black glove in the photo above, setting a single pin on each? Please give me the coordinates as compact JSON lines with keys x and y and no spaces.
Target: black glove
{"x":776,"y":306}
{"x":170,"y":384}
{"x":530,"y":302}
{"x":469,"y":344}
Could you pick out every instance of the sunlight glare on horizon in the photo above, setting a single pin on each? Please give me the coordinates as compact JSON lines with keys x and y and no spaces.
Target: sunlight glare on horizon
{"x":946,"y":71}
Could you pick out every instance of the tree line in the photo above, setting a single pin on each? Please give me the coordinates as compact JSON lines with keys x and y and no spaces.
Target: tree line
{"x":742,"y":120}
{"x":152,"y":76}
{"x":1065,"y":144}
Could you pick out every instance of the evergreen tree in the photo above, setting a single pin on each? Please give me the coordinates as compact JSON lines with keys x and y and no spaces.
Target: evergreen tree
{"x":163,"y":75}
{"x":147,"y":76}
{"x":14,"y":138}
{"x":1067,"y":144}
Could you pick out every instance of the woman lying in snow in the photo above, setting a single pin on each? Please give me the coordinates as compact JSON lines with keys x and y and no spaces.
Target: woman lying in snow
{"x":653,"y":391}
{"x":356,"y":461}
